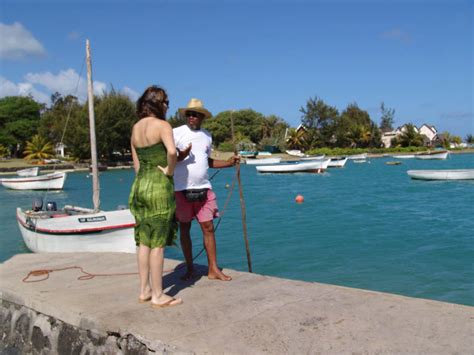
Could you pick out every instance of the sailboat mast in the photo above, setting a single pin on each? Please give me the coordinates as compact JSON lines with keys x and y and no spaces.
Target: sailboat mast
{"x":90,"y":94}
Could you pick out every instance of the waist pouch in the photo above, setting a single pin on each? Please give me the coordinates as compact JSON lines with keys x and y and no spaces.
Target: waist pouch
{"x":195,"y":195}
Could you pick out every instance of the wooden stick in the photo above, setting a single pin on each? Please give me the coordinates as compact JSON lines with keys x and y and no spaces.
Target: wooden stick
{"x":242,"y":202}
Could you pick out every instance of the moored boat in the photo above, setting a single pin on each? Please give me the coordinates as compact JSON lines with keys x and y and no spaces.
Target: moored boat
{"x":313,"y":157}
{"x":76,"y":229}
{"x":52,"y":181}
{"x":295,"y":152}
{"x":337,"y":162}
{"x":28,"y":172}
{"x":446,"y":174}
{"x":316,"y":166}
{"x":263,"y":161}
{"x":362,"y":156}
{"x":440,"y":155}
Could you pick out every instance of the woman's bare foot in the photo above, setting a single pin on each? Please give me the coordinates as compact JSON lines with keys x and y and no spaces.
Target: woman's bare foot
{"x":165,"y":301}
{"x":218,"y":275}
{"x":145,"y":296}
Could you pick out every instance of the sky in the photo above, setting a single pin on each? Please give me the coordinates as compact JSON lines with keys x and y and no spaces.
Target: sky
{"x":271,"y":56}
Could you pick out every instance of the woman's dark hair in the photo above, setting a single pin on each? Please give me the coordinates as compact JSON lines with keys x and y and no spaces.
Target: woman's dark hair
{"x":154,"y":102}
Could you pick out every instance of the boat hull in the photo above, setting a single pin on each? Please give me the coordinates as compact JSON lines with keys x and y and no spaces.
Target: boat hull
{"x":337,"y":163}
{"x":53,"y":181}
{"x":264,"y":161}
{"x":316,"y":166}
{"x":28,"y":172}
{"x":432,"y":156}
{"x":456,"y":174}
{"x":104,"y":231}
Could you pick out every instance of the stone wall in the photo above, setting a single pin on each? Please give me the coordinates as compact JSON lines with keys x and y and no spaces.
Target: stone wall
{"x":25,"y":331}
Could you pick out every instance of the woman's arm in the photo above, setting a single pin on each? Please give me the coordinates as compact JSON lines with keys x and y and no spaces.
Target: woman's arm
{"x":136,"y":162}
{"x":168,"y":141}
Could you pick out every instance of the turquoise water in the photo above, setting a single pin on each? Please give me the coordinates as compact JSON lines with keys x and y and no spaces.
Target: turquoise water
{"x":366,"y":226}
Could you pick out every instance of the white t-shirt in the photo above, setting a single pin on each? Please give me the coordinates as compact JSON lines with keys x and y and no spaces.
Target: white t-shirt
{"x":192,"y":172}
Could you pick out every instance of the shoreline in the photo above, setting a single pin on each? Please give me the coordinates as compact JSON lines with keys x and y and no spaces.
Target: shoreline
{"x":17,"y":164}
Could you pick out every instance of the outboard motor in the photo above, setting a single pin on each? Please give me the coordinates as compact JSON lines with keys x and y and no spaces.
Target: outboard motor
{"x":37,"y":204}
{"x":51,"y":206}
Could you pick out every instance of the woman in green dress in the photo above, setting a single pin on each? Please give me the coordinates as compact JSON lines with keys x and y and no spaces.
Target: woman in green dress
{"x":152,"y":195}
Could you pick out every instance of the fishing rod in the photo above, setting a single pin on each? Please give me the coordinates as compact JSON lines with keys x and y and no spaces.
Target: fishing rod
{"x":242,"y":202}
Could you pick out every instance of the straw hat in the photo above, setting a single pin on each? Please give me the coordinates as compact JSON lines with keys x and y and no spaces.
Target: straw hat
{"x":197,"y":106}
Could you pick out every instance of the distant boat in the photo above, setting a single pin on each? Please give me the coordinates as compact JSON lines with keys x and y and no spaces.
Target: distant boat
{"x":440,"y":155}
{"x":456,"y":174}
{"x":248,"y":153}
{"x":295,"y":153}
{"x":28,"y":172}
{"x":313,"y":157}
{"x":358,"y":156}
{"x":316,"y":166}
{"x":404,"y":156}
{"x":337,"y":162}
{"x":52,"y":181}
{"x":264,"y":161}
{"x":358,"y":161}
{"x":393,"y":163}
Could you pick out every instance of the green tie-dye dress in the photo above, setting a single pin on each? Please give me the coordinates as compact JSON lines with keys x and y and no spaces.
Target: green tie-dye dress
{"x":152,"y":201}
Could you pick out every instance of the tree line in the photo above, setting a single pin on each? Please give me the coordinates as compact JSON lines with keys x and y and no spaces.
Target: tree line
{"x":31,"y":129}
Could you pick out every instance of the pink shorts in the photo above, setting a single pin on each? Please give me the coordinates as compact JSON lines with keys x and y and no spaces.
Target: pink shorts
{"x":203,"y":211}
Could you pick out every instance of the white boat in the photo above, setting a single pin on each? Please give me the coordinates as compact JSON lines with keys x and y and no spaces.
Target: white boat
{"x":337,"y":162}
{"x":359,"y":161}
{"x":295,"y":153}
{"x":403,"y":156}
{"x":439,"y":155}
{"x":263,"y":161}
{"x":454,"y":174}
{"x":316,"y":166}
{"x":28,"y":172}
{"x":52,"y":181}
{"x":76,"y":229}
{"x":314,"y":157}
{"x":362,"y":156}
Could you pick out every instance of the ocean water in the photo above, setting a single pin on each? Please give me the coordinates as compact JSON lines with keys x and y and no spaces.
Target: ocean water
{"x":366,"y":225}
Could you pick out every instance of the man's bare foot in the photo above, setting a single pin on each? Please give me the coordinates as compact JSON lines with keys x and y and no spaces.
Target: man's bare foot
{"x":189,"y":275}
{"x":218,"y":275}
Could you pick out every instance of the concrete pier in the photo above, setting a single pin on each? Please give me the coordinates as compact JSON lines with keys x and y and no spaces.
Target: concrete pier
{"x":253,"y":314}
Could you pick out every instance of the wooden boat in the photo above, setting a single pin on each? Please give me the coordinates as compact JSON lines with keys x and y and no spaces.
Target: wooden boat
{"x":440,"y":155}
{"x":362,"y":156}
{"x":403,"y":156}
{"x":52,"y":181}
{"x":263,"y":161}
{"x":316,"y":166}
{"x":28,"y":172}
{"x":337,"y":162}
{"x":453,"y":174}
{"x":76,"y":229}
{"x":393,"y":163}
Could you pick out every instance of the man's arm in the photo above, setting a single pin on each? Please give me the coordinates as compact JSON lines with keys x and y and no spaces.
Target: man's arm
{"x":217,"y":164}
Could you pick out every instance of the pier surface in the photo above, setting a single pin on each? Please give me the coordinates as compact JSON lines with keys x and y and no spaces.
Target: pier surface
{"x":253,"y":314}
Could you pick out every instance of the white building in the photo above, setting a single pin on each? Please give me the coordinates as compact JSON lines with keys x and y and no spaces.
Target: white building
{"x":428,"y":132}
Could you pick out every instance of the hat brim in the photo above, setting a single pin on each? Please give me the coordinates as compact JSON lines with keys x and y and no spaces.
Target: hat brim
{"x":206,"y":113}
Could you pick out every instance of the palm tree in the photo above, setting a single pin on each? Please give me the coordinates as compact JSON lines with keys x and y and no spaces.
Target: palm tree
{"x":296,"y":139}
{"x":410,"y":137}
{"x":38,"y":148}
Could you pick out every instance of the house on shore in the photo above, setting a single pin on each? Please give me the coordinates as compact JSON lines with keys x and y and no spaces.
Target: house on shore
{"x":428,"y":132}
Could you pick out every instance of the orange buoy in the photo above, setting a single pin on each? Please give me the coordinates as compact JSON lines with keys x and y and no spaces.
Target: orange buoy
{"x":299,"y":199}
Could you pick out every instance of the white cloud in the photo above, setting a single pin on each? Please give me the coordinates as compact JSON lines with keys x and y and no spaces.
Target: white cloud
{"x":17,"y":42}
{"x":8,"y":88}
{"x":397,"y":34}
{"x":66,"y":82}
{"x":132,"y":94}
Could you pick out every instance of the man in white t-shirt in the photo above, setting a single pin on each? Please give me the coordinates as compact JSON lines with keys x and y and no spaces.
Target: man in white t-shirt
{"x":193,"y":190}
